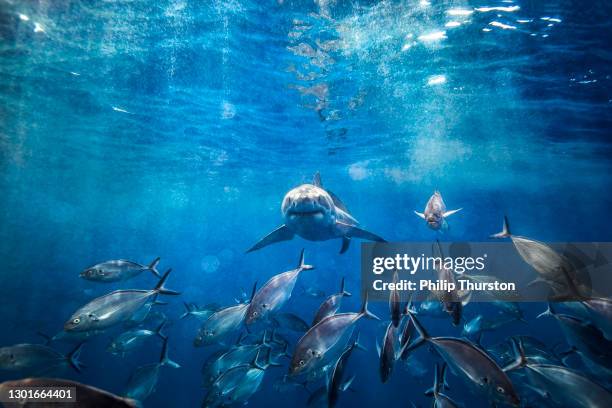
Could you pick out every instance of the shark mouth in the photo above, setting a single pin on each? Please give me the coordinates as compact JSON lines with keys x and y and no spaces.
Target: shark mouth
{"x":305,"y":213}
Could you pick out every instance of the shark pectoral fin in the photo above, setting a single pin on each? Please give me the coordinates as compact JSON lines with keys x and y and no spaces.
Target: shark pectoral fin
{"x":420,"y":214}
{"x":451,"y":212}
{"x":351,"y":231}
{"x":346,"y":241}
{"x":282,"y":233}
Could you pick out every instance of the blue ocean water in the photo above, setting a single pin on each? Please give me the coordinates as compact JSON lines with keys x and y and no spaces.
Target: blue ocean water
{"x":137,"y":129}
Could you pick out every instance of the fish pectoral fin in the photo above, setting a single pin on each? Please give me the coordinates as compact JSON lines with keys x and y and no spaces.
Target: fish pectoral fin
{"x":351,"y":231}
{"x":451,"y":212}
{"x":282,"y":233}
{"x":94,"y":317}
{"x":420,"y":214}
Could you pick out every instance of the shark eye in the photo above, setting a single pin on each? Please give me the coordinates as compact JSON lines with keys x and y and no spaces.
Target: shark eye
{"x":500,"y":389}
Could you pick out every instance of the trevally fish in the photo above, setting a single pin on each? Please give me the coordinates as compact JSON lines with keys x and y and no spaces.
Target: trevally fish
{"x":87,"y":396}
{"x":143,"y":380}
{"x":290,"y":321}
{"x":70,"y":337}
{"x":480,"y":324}
{"x":553,"y":268}
{"x":386,"y":353}
{"x":37,"y":358}
{"x":600,"y":313}
{"x":315,"y":214}
{"x":451,"y":301}
{"x":251,"y":383}
{"x":118,"y":270}
{"x":274,"y":293}
{"x":561,"y":385}
{"x":395,"y":303}
{"x":336,"y":382}
{"x":235,"y":356}
{"x":472,"y":363}
{"x":204,"y":312}
{"x":441,"y":400}
{"x":406,"y":335}
{"x":432,"y":308}
{"x":509,"y":309}
{"x":435,"y":212}
{"x":330,"y":305}
{"x":317,"y":341}
{"x":132,"y":339}
{"x":584,"y":337}
{"x":146,"y":315}
{"x":227,"y":387}
{"x":222,"y":323}
{"x":114,"y":308}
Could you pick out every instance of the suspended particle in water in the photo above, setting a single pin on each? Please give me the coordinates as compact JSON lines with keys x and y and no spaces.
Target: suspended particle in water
{"x":210,"y":263}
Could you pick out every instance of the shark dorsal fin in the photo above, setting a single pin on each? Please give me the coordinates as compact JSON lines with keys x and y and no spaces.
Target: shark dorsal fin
{"x":316,"y":180}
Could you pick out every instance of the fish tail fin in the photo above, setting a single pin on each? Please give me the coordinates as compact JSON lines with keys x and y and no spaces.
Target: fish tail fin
{"x":548,"y":312}
{"x":73,"y":358}
{"x":301,"y":265}
{"x":505,"y":232}
{"x":188,"y":310}
{"x":153,"y":267}
{"x":364,"y":309}
{"x":417,"y":325}
{"x":159,"y":288}
{"x":159,"y":329}
{"x":443,"y":383}
{"x":519,"y":354}
{"x":164,"y":359}
{"x":358,"y":345}
{"x":48,"y":339}
{"x":342,"y":290}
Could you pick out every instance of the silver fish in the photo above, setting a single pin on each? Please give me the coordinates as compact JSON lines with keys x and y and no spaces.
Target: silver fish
{"x":387,"y":353}
{"x":435,"y":212}
{"x":238,"y":355}
{"x":132,"y":339}
{"x":317,"y":341}
{"x":600,"y":313}
{"x":441,"y":400}
{"x":143,"y":380}
{"x":336,"y":382}
{"x":275,"y":293}
{"x":451,"y":301}
{"x":87,"y":395}
{"x":553,"y":268}
{"x":406,"y":336}
{"x":37,"y":358}
{"x":331,"y":305}
{"x":118,"y":270}
{"x":222,"y":323}
{"x":114,"y":308}
{"x":395,"y":303}
{"x":584,"y":337}
{"x":315,"y":214}
{"x":472,"y":363}
{"x":252,"y":382}
{"x":561,"y":385}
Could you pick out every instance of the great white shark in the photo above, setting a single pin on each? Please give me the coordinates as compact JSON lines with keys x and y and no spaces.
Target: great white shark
{"x":315,"y":214}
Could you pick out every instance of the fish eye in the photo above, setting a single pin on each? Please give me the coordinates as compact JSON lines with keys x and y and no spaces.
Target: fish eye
{"x":500,"y":389}
{"x":255,"y":314}
{"x":301,"y":363}
{"x":76,"y":320}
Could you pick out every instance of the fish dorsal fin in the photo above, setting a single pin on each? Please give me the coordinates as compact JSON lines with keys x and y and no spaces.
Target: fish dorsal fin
{"x":253,"y":292}
{"x":316,"y":180}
